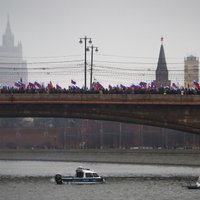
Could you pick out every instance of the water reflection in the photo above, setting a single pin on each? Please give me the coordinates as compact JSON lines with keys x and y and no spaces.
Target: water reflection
{"x":50,"y":168}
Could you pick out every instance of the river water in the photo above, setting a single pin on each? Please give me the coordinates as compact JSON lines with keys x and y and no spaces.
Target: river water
{"x":27,"y":180}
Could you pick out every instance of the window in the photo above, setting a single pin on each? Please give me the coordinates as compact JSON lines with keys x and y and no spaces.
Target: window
{"x":88,"y":175}
{"x":95,"y":175}
{"x":79,"y":174}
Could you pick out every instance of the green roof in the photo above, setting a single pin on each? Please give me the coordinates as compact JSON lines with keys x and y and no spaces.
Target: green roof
{"x":162,"y":65}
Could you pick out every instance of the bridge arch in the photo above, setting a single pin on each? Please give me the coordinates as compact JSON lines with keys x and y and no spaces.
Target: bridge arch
{"x":169,"y":111}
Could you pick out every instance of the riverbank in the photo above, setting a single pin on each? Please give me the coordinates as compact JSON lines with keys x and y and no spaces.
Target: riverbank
{"x":158,"y":157}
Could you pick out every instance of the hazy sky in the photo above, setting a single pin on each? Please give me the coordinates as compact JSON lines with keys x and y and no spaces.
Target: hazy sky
{"x":129,"y":28}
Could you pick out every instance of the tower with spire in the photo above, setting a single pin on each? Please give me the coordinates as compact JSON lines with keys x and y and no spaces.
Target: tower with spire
{"x":162,"y":71}
{"x":12,"y":66}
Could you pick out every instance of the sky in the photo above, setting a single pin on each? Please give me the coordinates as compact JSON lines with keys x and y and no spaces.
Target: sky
{"x":126,"y":32}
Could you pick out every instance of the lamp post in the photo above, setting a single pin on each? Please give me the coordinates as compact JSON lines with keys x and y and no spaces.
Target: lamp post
{"x":85,"y":62}
{"x":91,"y":68}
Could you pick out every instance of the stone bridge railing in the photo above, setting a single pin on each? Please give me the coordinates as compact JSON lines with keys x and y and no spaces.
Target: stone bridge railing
{"x":109,"y":98}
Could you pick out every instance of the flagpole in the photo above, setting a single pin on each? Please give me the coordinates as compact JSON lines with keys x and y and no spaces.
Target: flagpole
{"x":91,"y":69}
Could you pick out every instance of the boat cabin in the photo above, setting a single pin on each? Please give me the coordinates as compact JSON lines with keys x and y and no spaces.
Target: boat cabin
{"x":85,"y":173}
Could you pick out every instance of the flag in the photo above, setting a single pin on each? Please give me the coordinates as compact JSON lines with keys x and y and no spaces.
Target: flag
{"x":98,"y":86}
{"x":153,"y":85}
{"x":143,"y":84}
{"x":58,"y":87}
{"x":30,"y":85}
{"x":19,"y":84}
{"x":37,"y":84}
{"x":122,"y":87}
{"x":196,"y":84}
{"x":50,"y":85}
{"x":73,"y":82}
{"x":133,"y":86}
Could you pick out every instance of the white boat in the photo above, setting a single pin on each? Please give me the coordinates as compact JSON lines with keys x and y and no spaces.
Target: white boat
{"x":82,"y":176}
{"x":196,"y":185}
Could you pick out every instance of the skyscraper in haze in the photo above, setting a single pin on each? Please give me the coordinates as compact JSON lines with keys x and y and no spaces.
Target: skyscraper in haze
{"x":162,"y":71}
{"x":191,"y":71}
{"x":12,"y":66}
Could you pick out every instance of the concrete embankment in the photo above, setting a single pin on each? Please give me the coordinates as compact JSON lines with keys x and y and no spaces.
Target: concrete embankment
{"x":159,"y":157}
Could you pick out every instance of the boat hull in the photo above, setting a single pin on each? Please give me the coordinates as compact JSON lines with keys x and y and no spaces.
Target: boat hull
{"x":193,"y":187}
{"x":82,"y":180}
{"x":74,"y":180}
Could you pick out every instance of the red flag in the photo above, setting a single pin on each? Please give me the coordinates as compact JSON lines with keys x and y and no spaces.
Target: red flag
{"x":196,"y":84}
{"x":58,"y":87}
{"x":98,"y":86}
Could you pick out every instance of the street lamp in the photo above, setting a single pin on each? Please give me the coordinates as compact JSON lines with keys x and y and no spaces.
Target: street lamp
{"x":91,"y":69}
{"x":85,"y":63}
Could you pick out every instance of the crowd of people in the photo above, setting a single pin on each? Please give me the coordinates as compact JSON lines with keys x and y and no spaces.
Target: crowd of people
{"x":102,"y":90}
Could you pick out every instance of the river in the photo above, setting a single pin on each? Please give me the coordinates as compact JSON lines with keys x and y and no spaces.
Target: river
{"x":22,"y":180}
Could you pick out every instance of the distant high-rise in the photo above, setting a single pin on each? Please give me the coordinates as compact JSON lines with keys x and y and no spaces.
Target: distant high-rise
{"x":162,"y":71}
{"x":12,"y":66}
{"x":191,"y":71}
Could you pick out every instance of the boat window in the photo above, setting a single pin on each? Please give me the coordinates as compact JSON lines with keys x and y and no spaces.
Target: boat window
{"x":95,"y":175}
{"x":88,"y":175}
{"x":79,"y":174}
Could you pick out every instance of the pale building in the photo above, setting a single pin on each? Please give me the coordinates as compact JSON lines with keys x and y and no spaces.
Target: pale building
{"x":12,"y":66}
{"x":191,"y":71}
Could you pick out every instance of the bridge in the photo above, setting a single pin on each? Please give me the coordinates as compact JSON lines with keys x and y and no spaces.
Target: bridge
{"x":179,"y":112}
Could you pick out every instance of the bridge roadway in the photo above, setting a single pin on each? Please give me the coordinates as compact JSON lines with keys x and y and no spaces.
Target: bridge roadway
{"x":180,"y":112}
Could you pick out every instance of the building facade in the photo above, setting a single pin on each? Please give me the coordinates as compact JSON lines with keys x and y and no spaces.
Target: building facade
{"x":162,"y":71}
{"x":191,"y":71}
{"x":12,"y":66}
